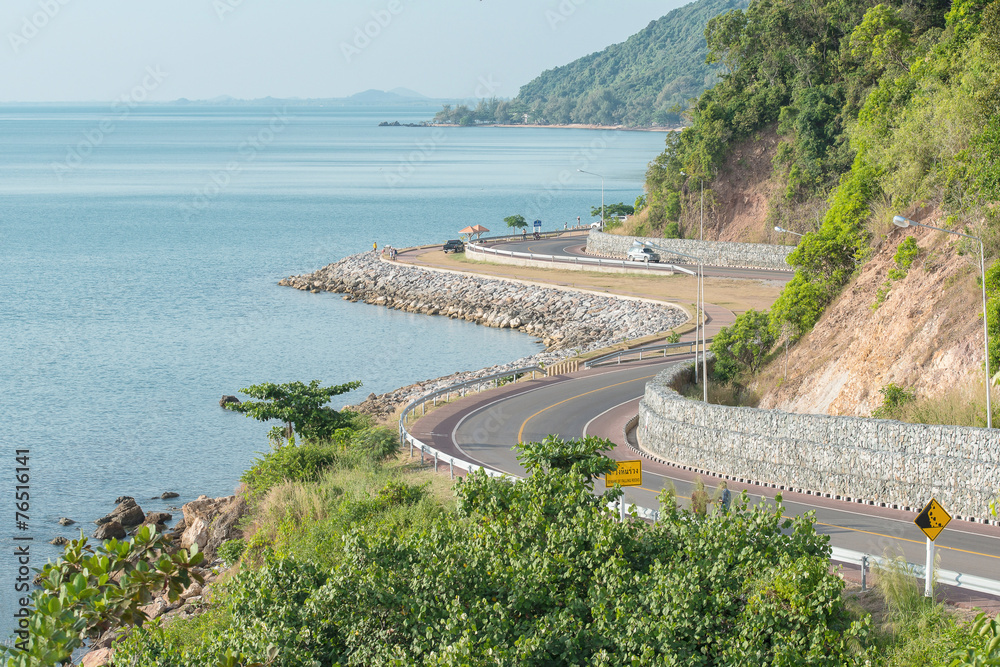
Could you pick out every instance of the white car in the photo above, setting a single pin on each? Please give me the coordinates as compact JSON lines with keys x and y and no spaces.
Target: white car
{"x":640,"y":254}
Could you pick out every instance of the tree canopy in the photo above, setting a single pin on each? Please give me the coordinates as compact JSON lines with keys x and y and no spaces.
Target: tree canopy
{"x":302,"y":407}
{"x":516,"y":221}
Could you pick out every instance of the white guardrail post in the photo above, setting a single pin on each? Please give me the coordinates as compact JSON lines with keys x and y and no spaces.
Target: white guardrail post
{"x":946,"y":577}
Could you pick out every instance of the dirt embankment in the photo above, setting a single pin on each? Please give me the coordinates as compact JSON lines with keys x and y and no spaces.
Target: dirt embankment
{"x":926,"y":336}
{"x":738,"y":201}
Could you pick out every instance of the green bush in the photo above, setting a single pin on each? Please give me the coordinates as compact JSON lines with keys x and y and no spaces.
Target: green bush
{"x":378,"y":444}
{"x":291,"y":463}
{"x":231,"y":550}
{"x":894,"y":398}
{"x":741,"y":348}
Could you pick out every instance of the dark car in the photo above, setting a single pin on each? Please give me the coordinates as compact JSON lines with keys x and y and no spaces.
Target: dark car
{"x":454,"y":246}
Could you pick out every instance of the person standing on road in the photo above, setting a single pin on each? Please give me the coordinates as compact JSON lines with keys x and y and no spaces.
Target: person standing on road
{"x":524,"y":234}
{"x":726,"y":498}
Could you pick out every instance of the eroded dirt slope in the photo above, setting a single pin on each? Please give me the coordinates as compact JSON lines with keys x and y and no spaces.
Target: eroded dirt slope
{"x":926,"y":336}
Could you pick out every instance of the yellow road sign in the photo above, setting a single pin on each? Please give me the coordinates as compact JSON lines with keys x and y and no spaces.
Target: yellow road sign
{"x":932,"y":519}
{"x":629,"y":473}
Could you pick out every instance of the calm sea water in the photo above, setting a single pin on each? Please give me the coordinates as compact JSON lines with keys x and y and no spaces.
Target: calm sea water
{"x":139,"y":255}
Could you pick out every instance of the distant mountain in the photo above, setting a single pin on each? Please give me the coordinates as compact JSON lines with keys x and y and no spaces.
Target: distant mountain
{"x":406,"y":92}
{"x":371,"y":97}
{"x":636,"y":82}
{"x":646,"y":80}
{"x":395,"y":96}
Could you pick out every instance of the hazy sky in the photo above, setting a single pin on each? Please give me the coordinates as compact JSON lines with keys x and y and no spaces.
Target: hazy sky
{"x":65,"y":50}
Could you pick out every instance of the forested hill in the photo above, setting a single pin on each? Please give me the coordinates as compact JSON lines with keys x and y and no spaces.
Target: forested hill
{"x":636,"y":82}
{"x":646,"y":80}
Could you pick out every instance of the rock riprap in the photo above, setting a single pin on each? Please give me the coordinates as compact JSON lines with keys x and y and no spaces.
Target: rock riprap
{"x":563,"y":319}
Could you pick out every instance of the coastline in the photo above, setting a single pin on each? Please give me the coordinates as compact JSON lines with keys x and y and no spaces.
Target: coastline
{"x":569,"y":322}
{"x":569,"y":126}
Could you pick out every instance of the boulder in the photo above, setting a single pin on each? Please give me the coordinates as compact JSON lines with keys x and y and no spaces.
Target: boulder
{"x":120,"y":499}
{"x":157,"y":608}
{"x":158,"y":517}
{"x":211,"y":521}
{"x":109,"y":530}
{"x":226,"y":400}
{"x":166,"y":495}
{"x":59,"y":541}
{"x":128,"y":513}
{"x":192,"y":591}
{"x":97,"y":658}
{"x":66,"y":522}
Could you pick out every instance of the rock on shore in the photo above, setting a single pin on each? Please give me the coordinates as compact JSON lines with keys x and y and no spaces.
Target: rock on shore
{"x":561,"y":318}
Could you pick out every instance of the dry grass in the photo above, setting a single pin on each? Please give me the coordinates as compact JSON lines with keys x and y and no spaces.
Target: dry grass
{"x":959,"y":406}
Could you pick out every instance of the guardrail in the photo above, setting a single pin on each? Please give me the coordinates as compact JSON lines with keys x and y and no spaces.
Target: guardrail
{"x":969,"y":582}
{"x":947,"y":577}
{"x":640,"y":351}
{"x":460,"y":389}
{"x":575,"y":259}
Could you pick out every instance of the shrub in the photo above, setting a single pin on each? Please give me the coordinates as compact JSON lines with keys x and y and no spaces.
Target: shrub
{"x":742,"y":347}
{"x":894,"y":398}
{"x":230,"y":551}
{"x":292,"y":463}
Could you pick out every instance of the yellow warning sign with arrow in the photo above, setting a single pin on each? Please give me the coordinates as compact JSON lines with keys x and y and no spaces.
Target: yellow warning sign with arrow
{"x":932,"y":519}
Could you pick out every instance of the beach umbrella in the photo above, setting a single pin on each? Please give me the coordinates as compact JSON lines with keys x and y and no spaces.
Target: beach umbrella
{"x":474,"y":229}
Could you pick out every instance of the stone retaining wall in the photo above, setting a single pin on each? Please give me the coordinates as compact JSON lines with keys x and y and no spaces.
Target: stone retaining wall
{"x":873,"y":460}
{"x":715,"y":253}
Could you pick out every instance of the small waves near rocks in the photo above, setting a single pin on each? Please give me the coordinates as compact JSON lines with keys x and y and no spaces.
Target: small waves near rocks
{"x":568,"y":322}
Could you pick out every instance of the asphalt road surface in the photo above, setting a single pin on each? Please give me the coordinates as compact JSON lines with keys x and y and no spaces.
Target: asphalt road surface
{"x":485,"y":427}
{"x":570,"y":246}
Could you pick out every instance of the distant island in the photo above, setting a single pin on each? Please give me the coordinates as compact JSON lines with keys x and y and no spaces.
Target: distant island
{"x":402,"y":97}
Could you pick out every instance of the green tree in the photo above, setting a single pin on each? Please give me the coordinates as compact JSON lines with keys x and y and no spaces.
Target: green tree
{"x":516,"y":221}
{"x":302,"y":407}
{"x":742,"y":347}
{"x":613,"y":210}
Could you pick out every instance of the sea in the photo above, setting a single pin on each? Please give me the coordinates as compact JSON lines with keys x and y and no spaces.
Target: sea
{"x":140,"y":250}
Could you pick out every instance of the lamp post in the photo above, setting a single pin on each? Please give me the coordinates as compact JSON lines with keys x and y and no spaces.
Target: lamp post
{"x":603,"y":214}
{"x":701,"y":233}
{"x":787,"y":231}
{"x":699,"y":308}
{"x":900,"y":221}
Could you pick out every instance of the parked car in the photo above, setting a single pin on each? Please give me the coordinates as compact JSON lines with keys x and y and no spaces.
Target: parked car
{"x":638,"y":254}
{"x":454,"y":245}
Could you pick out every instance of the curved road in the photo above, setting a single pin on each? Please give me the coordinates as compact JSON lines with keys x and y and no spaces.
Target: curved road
{"x":483,"y":428}
{"x":574,"y":246}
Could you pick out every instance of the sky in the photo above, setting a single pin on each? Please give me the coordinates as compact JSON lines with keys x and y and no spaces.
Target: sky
{"x":100,"y":50}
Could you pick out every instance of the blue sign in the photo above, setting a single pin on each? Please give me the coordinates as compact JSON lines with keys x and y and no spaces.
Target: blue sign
{"x":538,"y":224}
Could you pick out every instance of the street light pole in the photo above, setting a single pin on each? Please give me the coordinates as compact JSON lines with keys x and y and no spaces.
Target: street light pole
{"x":787,"y":231}
{"x":900,"y":221}
{"x":603,"y":213}
{"x":699,"y":310}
